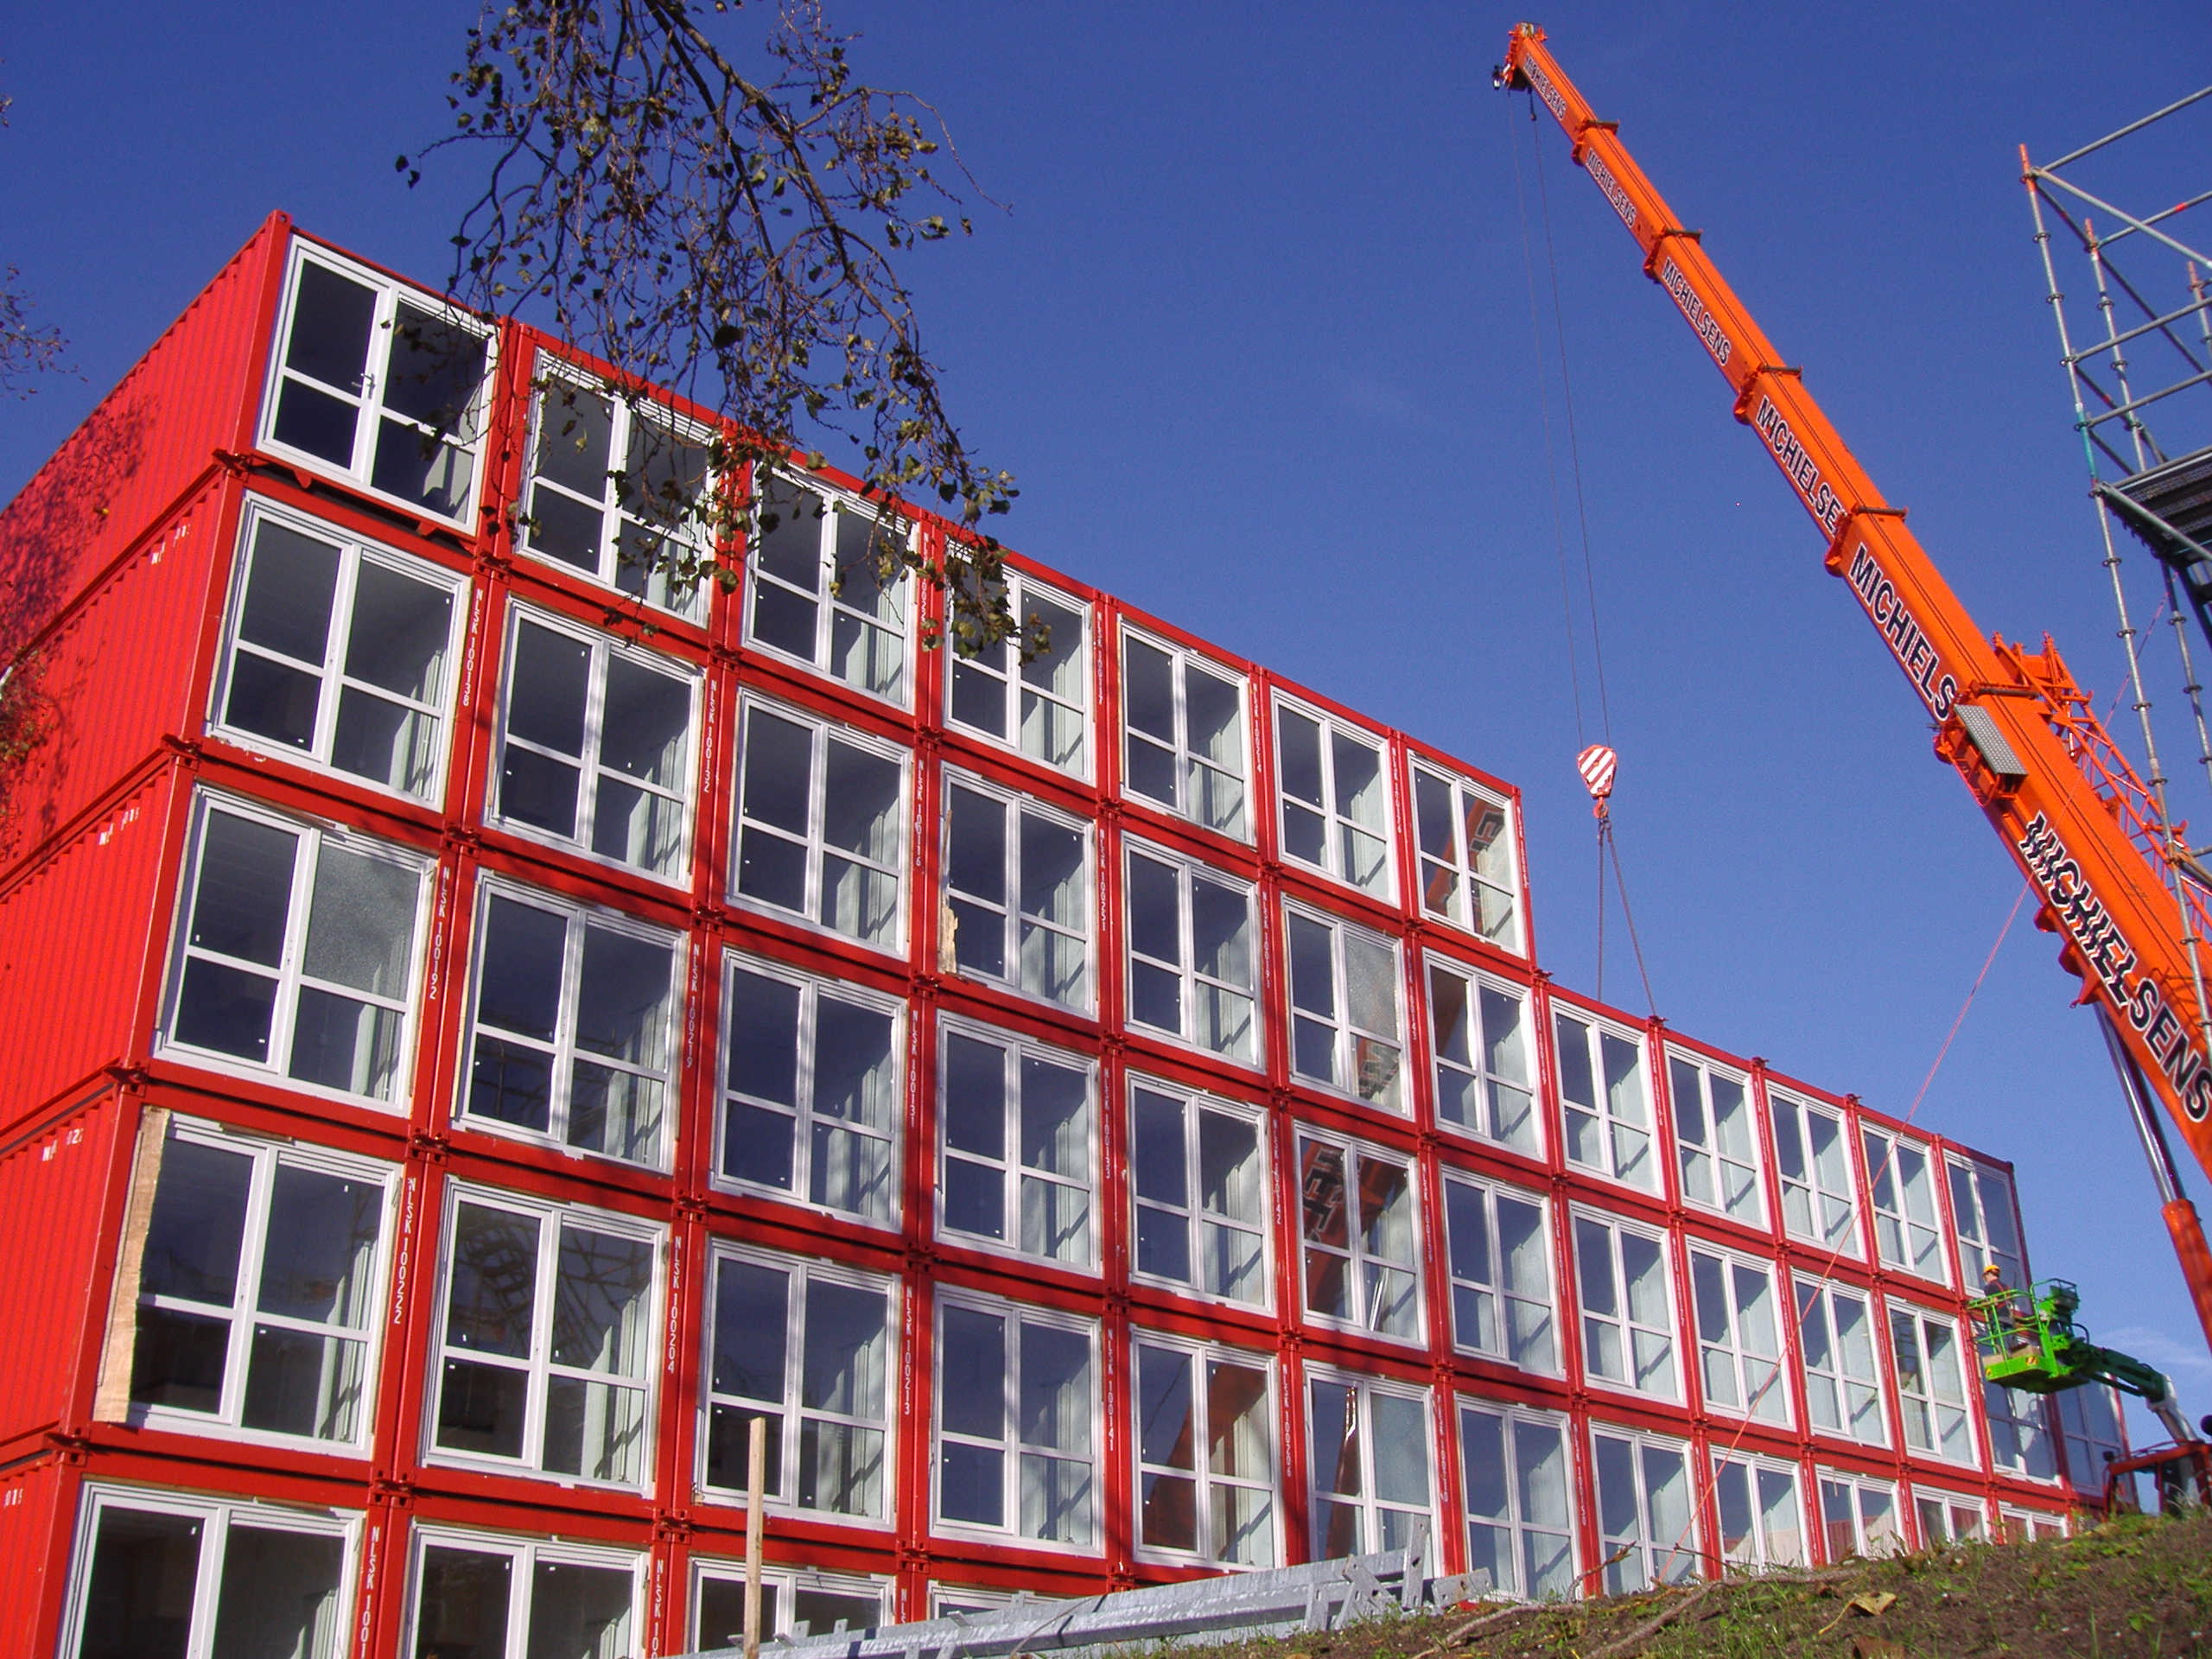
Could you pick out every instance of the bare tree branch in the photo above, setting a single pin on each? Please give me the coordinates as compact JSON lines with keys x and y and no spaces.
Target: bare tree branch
{"x":28,"y":349}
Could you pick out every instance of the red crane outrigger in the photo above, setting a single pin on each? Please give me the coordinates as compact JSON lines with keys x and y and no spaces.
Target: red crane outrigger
{"x":2117,"y":883}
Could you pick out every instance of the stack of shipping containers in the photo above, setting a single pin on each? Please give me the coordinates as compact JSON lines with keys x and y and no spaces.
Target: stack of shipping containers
{"x":486,"y":1024}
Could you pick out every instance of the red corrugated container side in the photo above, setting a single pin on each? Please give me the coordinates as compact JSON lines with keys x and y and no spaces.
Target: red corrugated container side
{"x":78,"y":936}
{"x":146,"y":445}
{"x":116,"y":674}
{"x":33,"y":1554}
{"x":55,"y":1181}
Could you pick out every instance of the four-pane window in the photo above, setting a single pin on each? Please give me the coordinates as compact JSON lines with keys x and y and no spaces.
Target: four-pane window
{"x":1183,"y":723}
{"x":821,"y":826}
{"x":1501,"y":1273}
{"x":1931,"y":1384}
{"x":1812,"y":1154}
{"x":1520,"y":1511}
{"x":1715,"y":1142}
{"x":1038,"y":702}
{"x":1015,"y":1124}
{"x":1647,"y":1531}
{"x":1762,"y":1522}
{"x":1902,"y":1183}
{"x":830,"y":587}
{"x":1467,"y":873}
{"x":1344,"y":1021}
{"x":1739,"y":1336}
{"x":1015,"y":1397}
{"x":1017,"y":891}
{"x":1628,"y":1323}
{"x":1198,"y":1180}
{"x":1360,"y":1243}
{"x":1205,"y":1452}
{"x":1334,"y":783}
{"x":1602,"y":1095}
{"x":1193,"y":965}
{"x":1843,"y":1379}
{"x":494,"y":1596}
{"x":1368,"y":1464}
{"x":1485,"y":1084}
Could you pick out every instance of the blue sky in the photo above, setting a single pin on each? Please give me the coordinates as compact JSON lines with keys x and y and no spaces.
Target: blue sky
{"x":1254,"y":335}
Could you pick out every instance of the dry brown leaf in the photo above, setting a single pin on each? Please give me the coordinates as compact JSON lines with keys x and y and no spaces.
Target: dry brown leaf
{"x":1873,"y":1603}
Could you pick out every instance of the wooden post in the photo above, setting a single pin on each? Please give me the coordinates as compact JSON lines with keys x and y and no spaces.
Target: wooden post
{"x":756,"y":1477}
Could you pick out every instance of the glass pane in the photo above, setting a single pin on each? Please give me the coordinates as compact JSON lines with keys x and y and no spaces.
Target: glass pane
{"x":975,"y":1097}
{"x":855,"y":1065}
{"x":1055,"y":1119}
{"x":490,"y":1306}
{"x":245,"y":890}
{"x":398,"y":639}
{"x":750,"y":1323}
{"x":1056,"y":1396}
{"x":578,"y":1613}
{"x":198,"y":1224}
{"x":645,"y":731}
{"x":288,"y":592}
{"x":463,"y":1604}
{"x":279,"y":1595}
{"x":138,"y":1599}
{"x":1149,"y":692}
{"x":764,"y":1017}
{"x":331,"y":320}
{"x":846,"y":1344}
{"x":361,"y":922}
{"x":1400,"y":1450}
{"x":971,"y":1374}
{"x":622,"y":997}
{"x":599,"y":1309}
{"x":519,"y":967}
{"x":976,"y":846}
{"x":861,"y":803}
{"x":322,"y":1246}
{"x":548,"y":683}
{"x":1168,"y":1427}
{"x":179,"y":1360}
{"x":575,"y":431}
{"x":1215,"y":718}
{"x":1298,"y":754}
{"x":300,"y":1383}
{"x":437,"y":365}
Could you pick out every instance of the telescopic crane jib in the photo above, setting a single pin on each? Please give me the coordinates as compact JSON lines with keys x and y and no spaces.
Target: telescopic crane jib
{"x":2115,"y":877}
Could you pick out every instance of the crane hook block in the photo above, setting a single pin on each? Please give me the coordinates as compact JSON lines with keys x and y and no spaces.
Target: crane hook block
{"x":1597,"y":765}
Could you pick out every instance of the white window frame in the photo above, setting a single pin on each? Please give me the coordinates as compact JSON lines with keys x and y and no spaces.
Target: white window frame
{"x":1970,"y":1222}
{"x":1024,"y":594}
{"x":1761,"y":1549}
{"x":1014,"y":1175}
{"x":1630,"y":1148}
{"x":1820,"y":1200}
{"x":1446,"y":876}
{"x":1624,"y":1328}
{"x":369,"y":398}
{"x":1193,"y":1214}
{"x":289,"y":974}
{"x":1948,"y":1506}
{"x":1867,"y":1540}
{"x":1738,"y":1181}
{"x":353,"y":551}
{"x":563,"y":1055}
{"x":1657,"y":1561}
{"x":1015,"y":921}
{"x":1010,"y":1447}
{"x":244,"y":1314}
{"x":2019,"y":1526}
{"x":1183,"y":757}
{"x":1872,"y":1386}
{"x":1361,"y":1265}
{"x":1761,"y":1380}
{"x":2091,"y":1441}
{"x":1515,"y":1348}
{"x":604,"y":649}
{"x":1363,"y":1388}
{"x":829,"y":605}
{"x":551,"y":1217}
{"x":526,"y":1554}
{"x":785,"y":1584}
{"x":961,"y":1600}
{"x":815,"y":847}
{"x":1520,"y":1529}
{"x":1925,"y":1405}
{"x":217,"y":1517}
{"x":1479,"y":1076}
{"x":1205,"y":1480}
{"x":553,"y":377}
{"x":1194,"y":984}
{"x":812,"y":988}
{"x":802,"y":1275}
{"x":1335,"y":826}
{"x":1350,"y":1053}
{"x":1919,"y":1238}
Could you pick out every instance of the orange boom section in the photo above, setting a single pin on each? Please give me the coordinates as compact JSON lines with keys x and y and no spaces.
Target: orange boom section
{"x":2076,"y":819}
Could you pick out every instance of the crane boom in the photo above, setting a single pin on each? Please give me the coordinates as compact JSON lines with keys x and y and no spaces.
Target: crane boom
{"x":2116,"y":882}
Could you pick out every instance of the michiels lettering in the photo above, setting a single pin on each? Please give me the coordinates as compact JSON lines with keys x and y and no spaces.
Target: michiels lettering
{"x":1908,"y":640}
{"x":2097,"y":939}
{"x":1671,"y":278}
{"x":1800,"y":468}
{"x":1545,"y":90}
{"x":1614,"y":194}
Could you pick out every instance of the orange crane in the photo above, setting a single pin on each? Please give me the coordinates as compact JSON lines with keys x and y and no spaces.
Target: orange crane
{"x":2116,"y":880}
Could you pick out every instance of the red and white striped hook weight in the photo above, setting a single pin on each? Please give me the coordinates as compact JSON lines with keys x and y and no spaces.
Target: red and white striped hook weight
{"x":1597,"y":765}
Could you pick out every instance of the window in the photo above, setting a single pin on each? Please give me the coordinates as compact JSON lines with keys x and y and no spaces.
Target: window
{"x":1199,"y":1184}
{"x":1039,"y":705}
{"x":1987,"y":1224}
{"x":2089,"y":1418}
{"x":1016,"y":1133}
{"x":1608,"y":1131}
{"x":1368,"y":1464}
{"x":1483,"y":1084}
{"x":1949,"y":1518}
{"x":1357,"y":1208}
{"x":546,"y":1342}
{"x":1467,"y":873}
{"x":493,"y":1598}
{"x":381,"y":387}
{"x":1016,"y":1390}
{"x":820,"y":830}
{"x":1647,"y":1530}
{"x":1628,"y":1327}
{"x":162,"y":1576}
{"x":1812,"y":1149}
{"x":1715,"y":1142}
{"x":952,"y":1601}
{"x":1738,"y":1336}
{"x":1185,"y":734}
{"x":2020,"y":1440}
{"x":617,"y":491}
{"x":1843,"y":1381}
{"x":1343,"y":1008}
{"x":338,"y":652}
{"x":1904,"y":1188}
{"x":1930,"y":1387}
{"x":1520,"y":1519}
{"x":1190,"y":954}
{"x":1859,"y":1517}
{"x":296,"y":955}
{"x":573,"y":1033}
{"x":810,"y":1102}
{"x":2028,"y":1526}
{"x":1762,"y":1522}
{"x":595,"y":747}
{"x":791,"y":1604}
{"x":808,"y":1348}
{"x":1206,"y":1453}
{"x":830,"y":587}
{"x":1017,"y":902}
{"x":1335,"y":797}
{"x":260,"y":1270}
{"x":1501,"y":1274}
